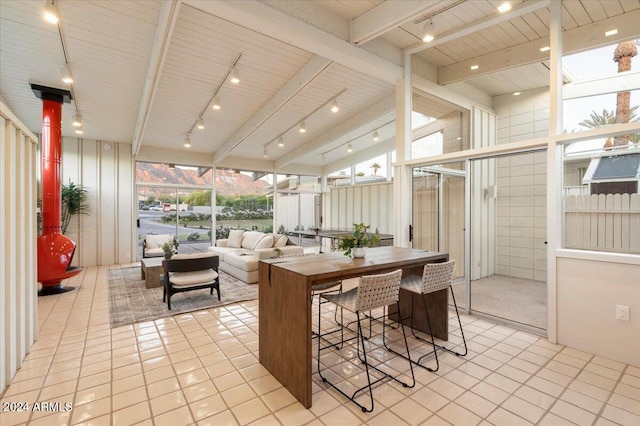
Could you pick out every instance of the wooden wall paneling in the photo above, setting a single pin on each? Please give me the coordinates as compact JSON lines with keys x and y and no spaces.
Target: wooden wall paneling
{"x":383,"y":206}
{"x":357,"y":205}
{"x":19,"y":244}
{"x":334,"y":221}
{"x":5,"y":377}
{"x":365,"y":197}
{"x":89,"y":236}
{"x":32,"y":235}
{"x":11,"y":266}
{"x":108,"y":184}
{"x":342,"y":208}
{"x":374,"y":202}
{"x":349,"y":216}
{"x":127,"y":205}
{"x":71,"y":171}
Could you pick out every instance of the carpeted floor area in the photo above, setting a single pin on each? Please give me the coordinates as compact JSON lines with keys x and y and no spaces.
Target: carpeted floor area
{"x":130,"y":302}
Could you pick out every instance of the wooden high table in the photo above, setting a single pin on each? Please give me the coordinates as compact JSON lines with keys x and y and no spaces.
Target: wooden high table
{"x":285,"y":305}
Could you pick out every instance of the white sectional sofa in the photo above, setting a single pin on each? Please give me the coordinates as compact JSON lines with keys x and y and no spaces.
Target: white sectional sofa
{"x":241,"y":252}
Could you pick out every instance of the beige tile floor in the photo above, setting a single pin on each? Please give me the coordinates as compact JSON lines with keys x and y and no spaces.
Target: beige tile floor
{"x":202,"y":368}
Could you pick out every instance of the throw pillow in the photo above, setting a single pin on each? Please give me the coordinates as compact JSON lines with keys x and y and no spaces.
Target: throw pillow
{"x":235,"y":238}
{"x":251,"y":238}
{"x":281,"y":241}
{"x":266,"y":242}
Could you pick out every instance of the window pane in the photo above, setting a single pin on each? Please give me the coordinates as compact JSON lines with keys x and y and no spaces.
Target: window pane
{"x":373,"y":170}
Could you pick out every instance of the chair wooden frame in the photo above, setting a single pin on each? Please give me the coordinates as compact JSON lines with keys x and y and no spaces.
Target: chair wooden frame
{"x":189,"y":265}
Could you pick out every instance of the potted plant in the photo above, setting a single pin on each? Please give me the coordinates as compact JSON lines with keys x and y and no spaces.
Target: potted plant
{"x":168,"y":248}
{"x":74,"y":202}
{"x":356,"y":243}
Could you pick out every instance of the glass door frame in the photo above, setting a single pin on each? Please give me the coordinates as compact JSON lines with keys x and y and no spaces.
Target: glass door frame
{"x":441,"y":172}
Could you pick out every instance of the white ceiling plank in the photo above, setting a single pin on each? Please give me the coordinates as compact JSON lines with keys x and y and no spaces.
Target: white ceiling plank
{"x":480,"y":24}
{"x":164,"y":31}
{"x":574,"y":40}
{"x":315,"y":67}
{"x":354,"y":122}
{"x":386,"y":17}
{"x":280,"y":26}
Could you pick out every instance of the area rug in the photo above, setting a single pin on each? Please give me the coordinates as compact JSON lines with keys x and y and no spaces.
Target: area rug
{"x":130,"y":302}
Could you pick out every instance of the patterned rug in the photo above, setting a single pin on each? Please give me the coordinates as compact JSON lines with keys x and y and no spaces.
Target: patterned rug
{"x":130,"y":302}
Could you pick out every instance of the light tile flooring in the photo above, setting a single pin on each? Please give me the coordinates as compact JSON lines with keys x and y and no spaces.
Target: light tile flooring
{"x":202,"y":368}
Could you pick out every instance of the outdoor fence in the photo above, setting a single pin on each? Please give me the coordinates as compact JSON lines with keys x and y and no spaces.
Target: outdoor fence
{"x":603,"y":222}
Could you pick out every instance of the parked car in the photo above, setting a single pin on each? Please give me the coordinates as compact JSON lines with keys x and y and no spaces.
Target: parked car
{"x":155,"y":208}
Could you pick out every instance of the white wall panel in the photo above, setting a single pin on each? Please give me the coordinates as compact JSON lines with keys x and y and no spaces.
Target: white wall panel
{"x":106,"y":169}
{"x":18,"y":189}
{"x":368,"y":204}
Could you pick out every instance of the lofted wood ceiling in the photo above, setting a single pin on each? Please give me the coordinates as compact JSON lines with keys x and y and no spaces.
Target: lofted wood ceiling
{"x":145,"y":70}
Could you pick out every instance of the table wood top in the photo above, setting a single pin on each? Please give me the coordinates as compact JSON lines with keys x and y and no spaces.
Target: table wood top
{"x":328,"y":265}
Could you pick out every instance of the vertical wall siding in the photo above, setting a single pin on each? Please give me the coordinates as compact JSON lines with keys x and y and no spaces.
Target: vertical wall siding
{"x":106,"y":169}
{"x":369,"y":204}
{"x":18,"y":294}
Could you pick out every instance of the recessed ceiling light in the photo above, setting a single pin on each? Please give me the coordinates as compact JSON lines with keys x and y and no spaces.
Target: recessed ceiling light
{"x":611,"y":32}
{"x":504,"y":7}
{"x":474,"y":67}
{"x":545,"y":49}
{"x":516,"y":93}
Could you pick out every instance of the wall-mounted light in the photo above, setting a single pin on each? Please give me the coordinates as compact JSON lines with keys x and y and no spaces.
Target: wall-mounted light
{"x":200,"y":124}
{"x":187,"y":142}
{"x":334,"y":106}
{"x":429,"y":31}
{"x":215,"y":104}
{"x":302,"y":128}
{"x":280,"y":141}
{"x":376,"y":136}
{"x":51,"y":12}
{"x":235,"y":76}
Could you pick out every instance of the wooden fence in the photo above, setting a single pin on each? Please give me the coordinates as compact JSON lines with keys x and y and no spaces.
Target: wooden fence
{"x":603,"y":222}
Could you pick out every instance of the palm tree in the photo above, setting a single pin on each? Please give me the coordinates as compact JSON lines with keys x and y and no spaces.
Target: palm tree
{"x":622,"y":55}
{"x":375,"y":167}
{"x":608,"y":117}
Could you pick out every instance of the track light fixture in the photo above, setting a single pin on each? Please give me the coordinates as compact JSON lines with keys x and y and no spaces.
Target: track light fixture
{"x":376,"y":137}
{"x":280,"y":141}
{"x":51,"y":12}
{"x":334,"y":106}
{"x":265,"y":153}
{"x":302,"y":128}
{"x":349,"y":148}
{"x":235,"y":76}
{"x":79,"y":130}
{"x":429,"y":31}
{"x":65,"y":75}
{"x":200,"y":123}
{"x":187,"y":141}
{"x":77,"y":121}
{"x":216,"y":103}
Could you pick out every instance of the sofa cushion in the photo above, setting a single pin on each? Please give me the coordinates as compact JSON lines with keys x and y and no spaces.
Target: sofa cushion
{"x":265,"y":242}
{"x":235,"y":238}
{"x":281,"y":240}
{"x":156,"y":241}
{"x":153,"y":252}
{"x":186,"y":279}
{"x":251,"y":238}
{"x":193,"y":255}
{"x":243,"y":263}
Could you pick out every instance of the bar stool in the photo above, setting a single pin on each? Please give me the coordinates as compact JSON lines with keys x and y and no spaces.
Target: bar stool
{"x":435,"y":277}
{"x":334,"y":287}
{"x":372,"y":292}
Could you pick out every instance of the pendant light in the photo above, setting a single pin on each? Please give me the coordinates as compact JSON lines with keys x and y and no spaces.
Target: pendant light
{"x":376,"y":136}
{"x":280,"y":141}
{"x":77,"y":121}
{"x":302,"y":128}
{"x":235,"y":76}
{"x":187,"y":142}
{"x":200,"y":123}
{"x":349,"y":148}
{"x":216,"y":103}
